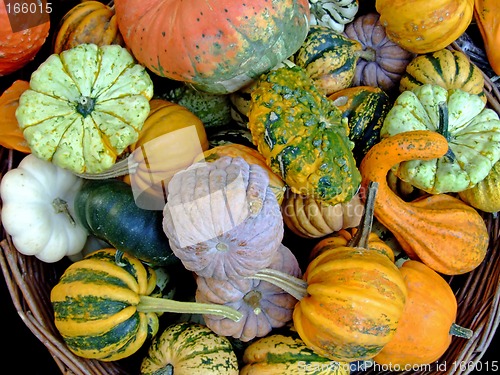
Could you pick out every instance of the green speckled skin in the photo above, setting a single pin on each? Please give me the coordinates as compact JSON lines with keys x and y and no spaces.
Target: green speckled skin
{"x":190,"y":349}
{"x":302,"y":136}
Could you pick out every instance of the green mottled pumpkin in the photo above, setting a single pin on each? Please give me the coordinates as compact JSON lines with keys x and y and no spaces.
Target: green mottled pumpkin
{"x":190,"y":349}
{"x":302,"y":136}
{"x":218,"y":46}
{"x":365,"y":108}
{"x":283,"y":352}
{"x":329,"y":58}
{"x":106,"y":311}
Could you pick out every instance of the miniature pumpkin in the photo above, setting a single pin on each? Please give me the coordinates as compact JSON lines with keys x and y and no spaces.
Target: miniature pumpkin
{"x":283,"y":352}
{"x":189,"y":348}
{"x":334,"y":14}
{"x":443,"y":232}
{"x":251,"y":156}
{"x":302,"y":136}
{"x":11,"y":136}
{"x":264,"y":306}
{"x":231,"y":44}
{"x":105,"y":311}
{"x":309,"y":218}
{"x":427,"y":325}
{"x":365,"y":108}
{"x":446,"y":68}
{"x":486,"y":15}
{"x":37,"y":209}
{"x":485,"y":196}
{"x":19,"y":47}
{"x":343,"y":237}
{"x":421,"y":26}
{"x":472,"y":132}
{"x":87,"y":22}
{"x":383,"y":61}
{"x":328,"y":315}
{"x":85,"y":106}
{"x":329,"y":58}
{"x":222,"y":219}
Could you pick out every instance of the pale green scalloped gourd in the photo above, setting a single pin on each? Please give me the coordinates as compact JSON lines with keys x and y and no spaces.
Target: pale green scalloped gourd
{"x":85,"y":106}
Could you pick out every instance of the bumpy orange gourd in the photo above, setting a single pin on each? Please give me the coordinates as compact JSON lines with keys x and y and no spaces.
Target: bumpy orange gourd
{"x":422,"y":26}
{"x":18,"y":48}
{"x":87,"y":22}
{"x":427,"y":325}
{"x":442,"y":231}
{"x":11,"y":136}
{"x":487,"y":16}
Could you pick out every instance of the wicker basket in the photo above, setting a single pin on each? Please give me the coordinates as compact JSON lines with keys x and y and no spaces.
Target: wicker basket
{"x":29,"y":282}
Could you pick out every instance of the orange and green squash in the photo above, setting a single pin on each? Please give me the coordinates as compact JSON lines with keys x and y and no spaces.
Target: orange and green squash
{"x":283,"y":352}
{"x":87,"y":22}
{"x":225,"y":46}
{"x":446,"y":68}
{"x":106,"y":311}
{"x":189,"y":348}
{"x":303,"y":136}
{"x":329,"y":58}
{"x":365,"y":108}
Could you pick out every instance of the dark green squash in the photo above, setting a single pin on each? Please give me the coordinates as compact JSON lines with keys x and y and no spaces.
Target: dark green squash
{"x":365,"y":108}
{"x":108,"y":210}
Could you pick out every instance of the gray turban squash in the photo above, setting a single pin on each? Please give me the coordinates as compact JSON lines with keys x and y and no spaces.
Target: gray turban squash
{"x":222,"y":219}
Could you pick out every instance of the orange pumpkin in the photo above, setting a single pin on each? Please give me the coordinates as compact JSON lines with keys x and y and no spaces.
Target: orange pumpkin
{"x":87,"y":22}
{"x":442,"y":231}
{"x":422,"y":26}
{"x":427,"y":325}
{"x":11,"y":136}
{"x":18,"y":48}
{"x":487,"y":16}
{"x":350,"y":299}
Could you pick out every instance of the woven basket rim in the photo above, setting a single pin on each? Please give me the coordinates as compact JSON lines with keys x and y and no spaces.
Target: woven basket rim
{"x":478,"y":295}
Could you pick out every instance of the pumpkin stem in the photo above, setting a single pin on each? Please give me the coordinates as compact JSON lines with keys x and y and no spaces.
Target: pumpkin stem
{"x":459,"y":331}
{"x":85,"y":105}
{"x":252,"y":299}
{"x":368,"y":54}
{"x":61,"y":206}
{"x":294,"y":286}
{"x":443,"y":127}
{"x":360,"y":239}
{"x":155,"y":304}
